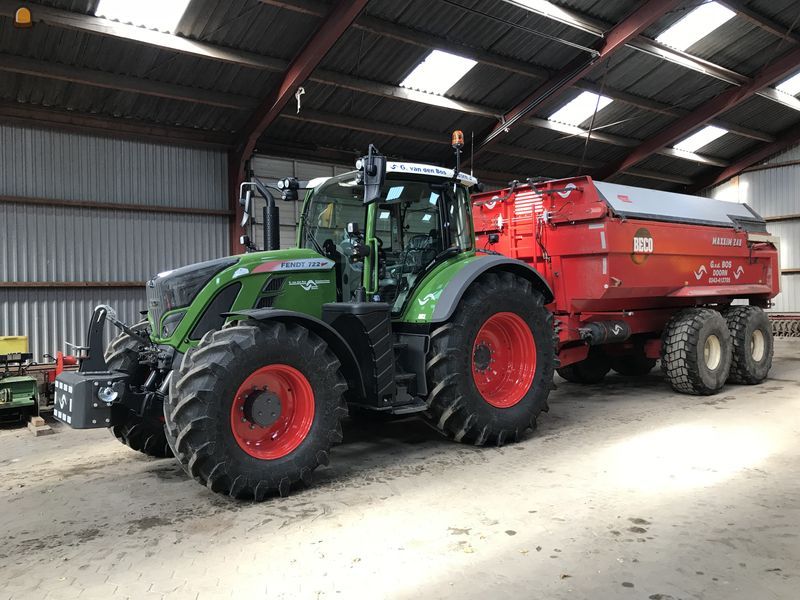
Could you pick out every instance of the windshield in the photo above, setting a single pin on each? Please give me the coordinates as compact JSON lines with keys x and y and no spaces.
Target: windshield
{"x":416,"y":221}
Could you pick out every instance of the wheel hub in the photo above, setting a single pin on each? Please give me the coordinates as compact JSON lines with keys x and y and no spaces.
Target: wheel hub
{"x":503,"y":359}
{"x":482,"y":357}
{"x":262,"y":408}
{"x":272,"y":411}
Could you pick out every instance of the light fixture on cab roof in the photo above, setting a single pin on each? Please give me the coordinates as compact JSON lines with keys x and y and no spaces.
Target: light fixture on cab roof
{"x":161,"y":15}
{"x":696,"y":25}
{"x":22,"y":18}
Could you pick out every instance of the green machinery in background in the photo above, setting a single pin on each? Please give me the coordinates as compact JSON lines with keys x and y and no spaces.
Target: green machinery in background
{"x":19,"y":392}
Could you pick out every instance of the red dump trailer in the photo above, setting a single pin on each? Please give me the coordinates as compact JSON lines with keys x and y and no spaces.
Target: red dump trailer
{"x":640,"y":275}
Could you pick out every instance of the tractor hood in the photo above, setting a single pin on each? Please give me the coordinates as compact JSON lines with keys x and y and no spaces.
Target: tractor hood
{"x":178,"y":298}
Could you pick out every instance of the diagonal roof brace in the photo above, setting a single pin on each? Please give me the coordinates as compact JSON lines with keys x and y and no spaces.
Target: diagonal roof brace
{"x":774,"y":71}
{"x":647,"y":13}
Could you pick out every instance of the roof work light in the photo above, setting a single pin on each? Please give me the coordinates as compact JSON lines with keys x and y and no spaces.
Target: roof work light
{"x":22,"y":18}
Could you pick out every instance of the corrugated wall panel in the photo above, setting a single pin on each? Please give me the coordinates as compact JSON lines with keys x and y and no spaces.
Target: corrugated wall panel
{"x":42,"y":243}
{"x":42,"y":163}
{"x":774,"y":192}
{"x":50,"y":317}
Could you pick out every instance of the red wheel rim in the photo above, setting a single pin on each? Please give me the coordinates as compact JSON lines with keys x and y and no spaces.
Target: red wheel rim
{"x":503,"y":359}
{"x":292,"y":401}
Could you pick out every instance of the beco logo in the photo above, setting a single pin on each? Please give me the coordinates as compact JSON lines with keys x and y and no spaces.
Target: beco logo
{"x":642,"y":245}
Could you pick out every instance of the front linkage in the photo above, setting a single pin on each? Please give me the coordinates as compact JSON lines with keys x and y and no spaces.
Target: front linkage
{"x":87,"y":398}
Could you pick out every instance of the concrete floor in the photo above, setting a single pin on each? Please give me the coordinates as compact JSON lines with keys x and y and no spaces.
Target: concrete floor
{"x":627,"y":491}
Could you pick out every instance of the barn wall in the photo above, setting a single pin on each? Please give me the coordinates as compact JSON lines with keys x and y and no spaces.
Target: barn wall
{"x":773,"y":192}
{"x":42,"y":242}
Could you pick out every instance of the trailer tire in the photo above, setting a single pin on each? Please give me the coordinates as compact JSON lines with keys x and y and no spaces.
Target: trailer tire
{"x":592,"y":369}
{"x":751,"y":335}
{"x":143,"y":434}
{"x":634,"y":364}
{"x":286,"y":428}
{"x":501,"y":316}
{"x":696,"y":351}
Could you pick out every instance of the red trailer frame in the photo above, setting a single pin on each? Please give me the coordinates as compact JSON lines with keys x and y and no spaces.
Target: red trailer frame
{"x":622,"y":260}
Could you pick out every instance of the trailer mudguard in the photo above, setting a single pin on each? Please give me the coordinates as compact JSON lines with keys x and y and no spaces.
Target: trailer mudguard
{"x":439,"y":305}
{"x":350,"y":366}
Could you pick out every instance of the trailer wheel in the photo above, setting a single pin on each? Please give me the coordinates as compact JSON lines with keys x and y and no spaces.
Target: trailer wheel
{"x":143,"y":434}
{"x":696,"y":351}
{"x":634,"y":364}
{"x":751,"y":335}
{"x":590,"y":370}
{"x":256,"y":407}
{"x":490,"y":368}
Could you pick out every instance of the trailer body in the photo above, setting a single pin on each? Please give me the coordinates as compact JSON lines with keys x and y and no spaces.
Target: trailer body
{"x":622,"y":260}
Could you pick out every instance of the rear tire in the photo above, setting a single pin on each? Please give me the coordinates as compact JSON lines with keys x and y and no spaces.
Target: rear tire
{"x":696,"y":351}
{"x":751,"y":335}
{"x":143,"y":434}
{"x":500,"y":318}
{"x":633,"y":364}
{"x":592,"y":369}
{"x":256,"y":408}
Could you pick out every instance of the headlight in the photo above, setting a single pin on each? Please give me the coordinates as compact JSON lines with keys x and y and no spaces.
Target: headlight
{"x":107,"y":394}
{"x":178,"y":288}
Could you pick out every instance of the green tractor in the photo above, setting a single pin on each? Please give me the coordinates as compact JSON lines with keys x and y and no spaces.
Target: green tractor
{"x":246,"y":365}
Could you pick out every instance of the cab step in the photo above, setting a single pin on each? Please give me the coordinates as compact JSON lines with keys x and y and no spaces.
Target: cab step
{"x":415,"y":406}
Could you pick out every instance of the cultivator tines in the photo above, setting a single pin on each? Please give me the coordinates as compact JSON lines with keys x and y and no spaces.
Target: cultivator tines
{"x":785,"y":325}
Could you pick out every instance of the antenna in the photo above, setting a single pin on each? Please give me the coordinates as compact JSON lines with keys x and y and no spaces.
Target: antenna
{"x":472,"y":152}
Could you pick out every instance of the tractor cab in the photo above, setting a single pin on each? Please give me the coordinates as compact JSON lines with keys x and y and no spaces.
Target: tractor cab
{"x":382,"y":247}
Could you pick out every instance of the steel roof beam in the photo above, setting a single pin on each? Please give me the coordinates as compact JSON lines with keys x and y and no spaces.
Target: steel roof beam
{"x":340,"y":17}
{"x":96,"y":25}
{"x":646,"y":14}
{"x":399,"y":93}
{"x":114,"y":81}
{"x":431,"y":137}
{"x":790,"y":138}
{"x":759,"y":20}
{"x":777,"y":69}
{"x":425,"y":40}
{"x":643,"y":44}
{"x":103,"y":27}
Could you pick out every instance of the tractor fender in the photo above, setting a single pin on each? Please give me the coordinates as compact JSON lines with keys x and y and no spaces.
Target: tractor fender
{"x":451,"y":294}
{"x":350,"y":366}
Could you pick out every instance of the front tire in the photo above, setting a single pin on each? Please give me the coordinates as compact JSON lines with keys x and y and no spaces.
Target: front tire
{"x":751,"y":335}
{"x":143,"y":434}
{"x":490,"y":368}
{"x":256,"y":408}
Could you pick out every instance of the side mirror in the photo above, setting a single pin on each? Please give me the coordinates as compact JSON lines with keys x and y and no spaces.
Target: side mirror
{"x":247,"y":204}
{"x":372,"y":174}
{"x":288,"y":187}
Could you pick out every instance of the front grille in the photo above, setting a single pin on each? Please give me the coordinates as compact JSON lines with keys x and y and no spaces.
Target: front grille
{"x":273,"y":285}
{"x":154,"y":303}
{"x":266,"y":302}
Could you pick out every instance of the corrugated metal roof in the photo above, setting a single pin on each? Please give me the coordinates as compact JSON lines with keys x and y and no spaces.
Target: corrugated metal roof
{"x":503,"y":29}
